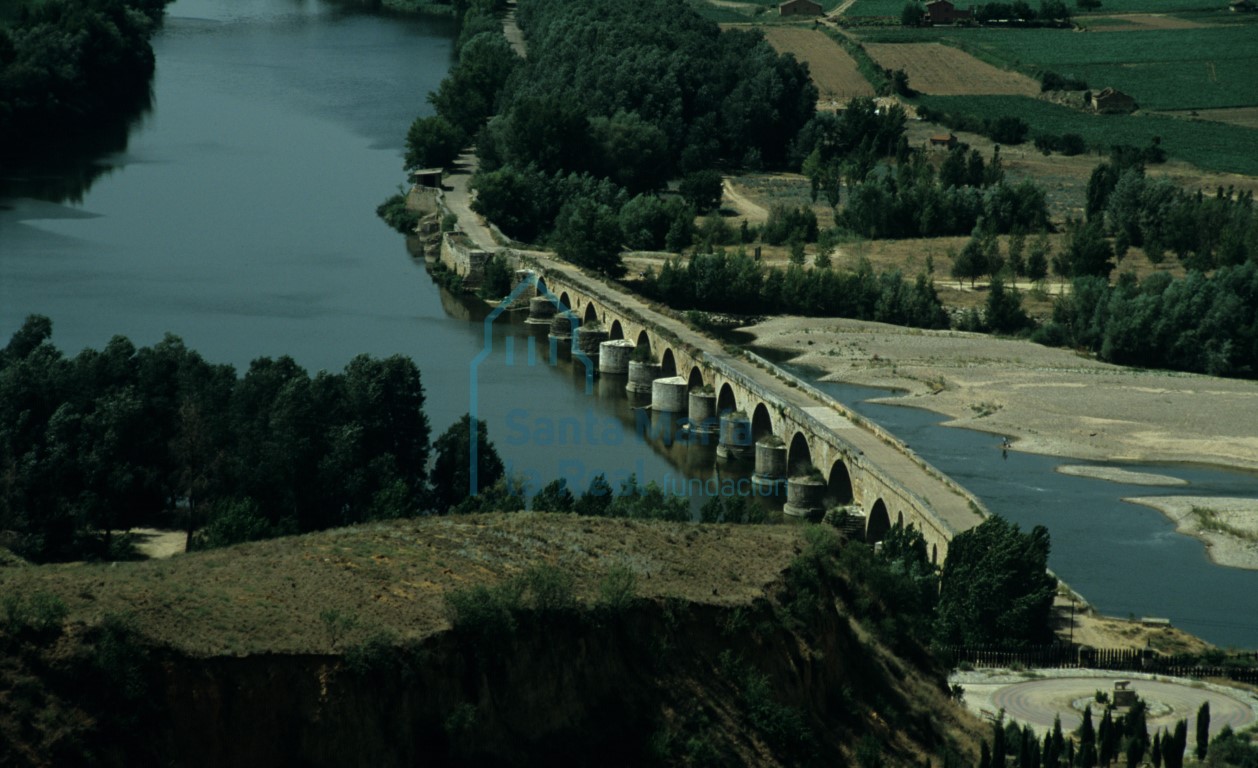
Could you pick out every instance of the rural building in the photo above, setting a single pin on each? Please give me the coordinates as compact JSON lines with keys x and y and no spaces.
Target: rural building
{"x":426,"y":177}
{"x":1110,"y":101}
{"x":944,"y":12}
{"x":943,"y":141}
{"x":1242,"y":6}
{"x":800,"y":8}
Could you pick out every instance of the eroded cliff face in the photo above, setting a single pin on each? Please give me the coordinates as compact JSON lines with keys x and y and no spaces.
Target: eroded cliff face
{"x":662,"y":682}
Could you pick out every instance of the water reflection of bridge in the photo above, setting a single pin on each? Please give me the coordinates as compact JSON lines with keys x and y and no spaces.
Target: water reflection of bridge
{"x":861,"y":465}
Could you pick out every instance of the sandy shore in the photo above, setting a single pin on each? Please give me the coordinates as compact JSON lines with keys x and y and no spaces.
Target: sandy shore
{"x":1116,"y":475}
{"x":1051,"y":401}
{"x":1229,"y":527}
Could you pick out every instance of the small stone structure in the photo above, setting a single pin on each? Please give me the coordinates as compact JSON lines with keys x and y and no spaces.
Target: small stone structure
{"x":461,"y":256}
{"x":800,"y":8}
{"x":1123,"y":696}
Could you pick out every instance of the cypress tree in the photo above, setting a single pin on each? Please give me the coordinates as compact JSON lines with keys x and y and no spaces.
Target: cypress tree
{"x":1203,"y":730}
{"x":1156,"y":754}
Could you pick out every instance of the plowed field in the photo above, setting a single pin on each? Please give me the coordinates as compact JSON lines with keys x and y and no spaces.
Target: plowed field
{"x":833,"y":70}
{"x":941,"y":70}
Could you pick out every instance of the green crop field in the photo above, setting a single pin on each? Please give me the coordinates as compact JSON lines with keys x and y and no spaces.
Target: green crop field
{"x":893,"y":7}
{"x":1162,"y":69}
{"x":876,"y":8}
{"x":1208,"y":145}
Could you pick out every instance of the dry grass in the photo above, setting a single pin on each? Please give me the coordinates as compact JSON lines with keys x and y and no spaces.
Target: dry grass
{"x":1246,"y":117}
{"x":269,"y":596}
{"x":833,"y":70}
{"x":1139,"y":22}
{"x":941,"y":70}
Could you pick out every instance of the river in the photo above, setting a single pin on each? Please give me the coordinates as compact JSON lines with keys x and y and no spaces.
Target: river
{"x":240,"y":217}
{"x":1126,"y":559}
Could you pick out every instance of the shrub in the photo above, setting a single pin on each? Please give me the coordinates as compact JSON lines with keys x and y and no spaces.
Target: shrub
{"x":397,"y":215}
{"x":618,"y":589}
{"x":550,"y":589}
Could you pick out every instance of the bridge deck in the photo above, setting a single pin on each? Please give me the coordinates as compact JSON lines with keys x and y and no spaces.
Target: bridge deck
{"x":950,"y":503}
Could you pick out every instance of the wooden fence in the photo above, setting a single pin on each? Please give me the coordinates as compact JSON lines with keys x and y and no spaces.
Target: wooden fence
{"x":1241,"y":667}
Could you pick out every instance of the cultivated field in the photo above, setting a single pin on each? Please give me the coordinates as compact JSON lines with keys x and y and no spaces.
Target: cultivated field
{"x":1209,"y":145}
{"x":833,"y":70}
{"x":1137,"y":21}
{"x":1246,"y":117}
{"x":946,"y":71}
{"x":1204,"y":68}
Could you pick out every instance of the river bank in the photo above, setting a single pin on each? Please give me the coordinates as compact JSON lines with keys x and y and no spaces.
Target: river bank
{"x":1046,"y":401}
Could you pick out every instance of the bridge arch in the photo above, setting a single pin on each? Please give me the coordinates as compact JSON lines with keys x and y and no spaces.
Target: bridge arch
{"x":616,"y":332}
{"x":725,"y":401}
{"x":839,"y":490}
{"x":798,"y":456}
{"x":934,"y":554}
{"x":761,"y":423}
{"x":591,"y":314}
{"x":696,"y":377}
{"x":879,"y":522}
{"x":541,"y":286}
{"x":668,"y":363}
{"x":643,"y":343}
{"x":565,"y":301}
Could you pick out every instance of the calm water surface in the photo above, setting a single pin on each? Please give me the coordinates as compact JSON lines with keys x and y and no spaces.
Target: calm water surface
{"x":241,"y":218}
{"x":1124,"y":558}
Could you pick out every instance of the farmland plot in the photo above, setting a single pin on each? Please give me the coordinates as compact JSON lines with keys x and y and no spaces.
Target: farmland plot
{"x":833,"y":70}
{"x":942,"y":70}
{"x":1206,"y":68}
{"x":1206,"y":144}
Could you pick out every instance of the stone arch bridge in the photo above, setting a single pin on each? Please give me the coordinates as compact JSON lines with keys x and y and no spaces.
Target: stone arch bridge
{"x":861,"y":465}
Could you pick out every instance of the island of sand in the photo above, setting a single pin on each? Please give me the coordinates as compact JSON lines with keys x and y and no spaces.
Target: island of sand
{"x":1051,"y":401}
{"x":1228,"y":526}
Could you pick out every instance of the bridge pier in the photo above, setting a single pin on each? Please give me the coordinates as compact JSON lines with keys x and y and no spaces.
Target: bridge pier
{"x":805,"y":497}
{"x":735,"y":439}
{"x":561,"y":325}
{"x":541,"y":311}
{"x":640,"y":377}
{"x":613,"y":356}
{"x":770,"y":472}
{"x":668,"y":395}
{"x":588,"y":340}
{"x":702,"y":414}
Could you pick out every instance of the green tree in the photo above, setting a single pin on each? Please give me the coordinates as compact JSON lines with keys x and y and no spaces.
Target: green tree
{"x":1087,"y":252}
{"x":995,"y":588}
{"x":453,"y":480}
{"x":433,"y":142}
{"x":554,"y":497}
{"x":1017,"y":248}
{"x":703,"y":190}
{"x":912,"y":15}
{"x":1004,"y":309}
{"x":1037,"y":257}
{"x":1203,"y":730}
{"x":587,"y":233}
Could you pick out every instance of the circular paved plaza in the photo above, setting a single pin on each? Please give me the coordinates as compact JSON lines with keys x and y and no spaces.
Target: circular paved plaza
{"x":1035,"y":701}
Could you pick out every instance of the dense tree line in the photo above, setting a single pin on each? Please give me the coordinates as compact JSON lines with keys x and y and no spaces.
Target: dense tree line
{"x":68,"y":65}
{"x":1002,"y":130}
{"x":468,"y":95}
{"x":911,"y":201}
{"x":724,"y":282}
{"x":614,"y":100}
{"x":1206,"y":324}
{"x":1203,"y":231}
{"x":115,"y":438}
